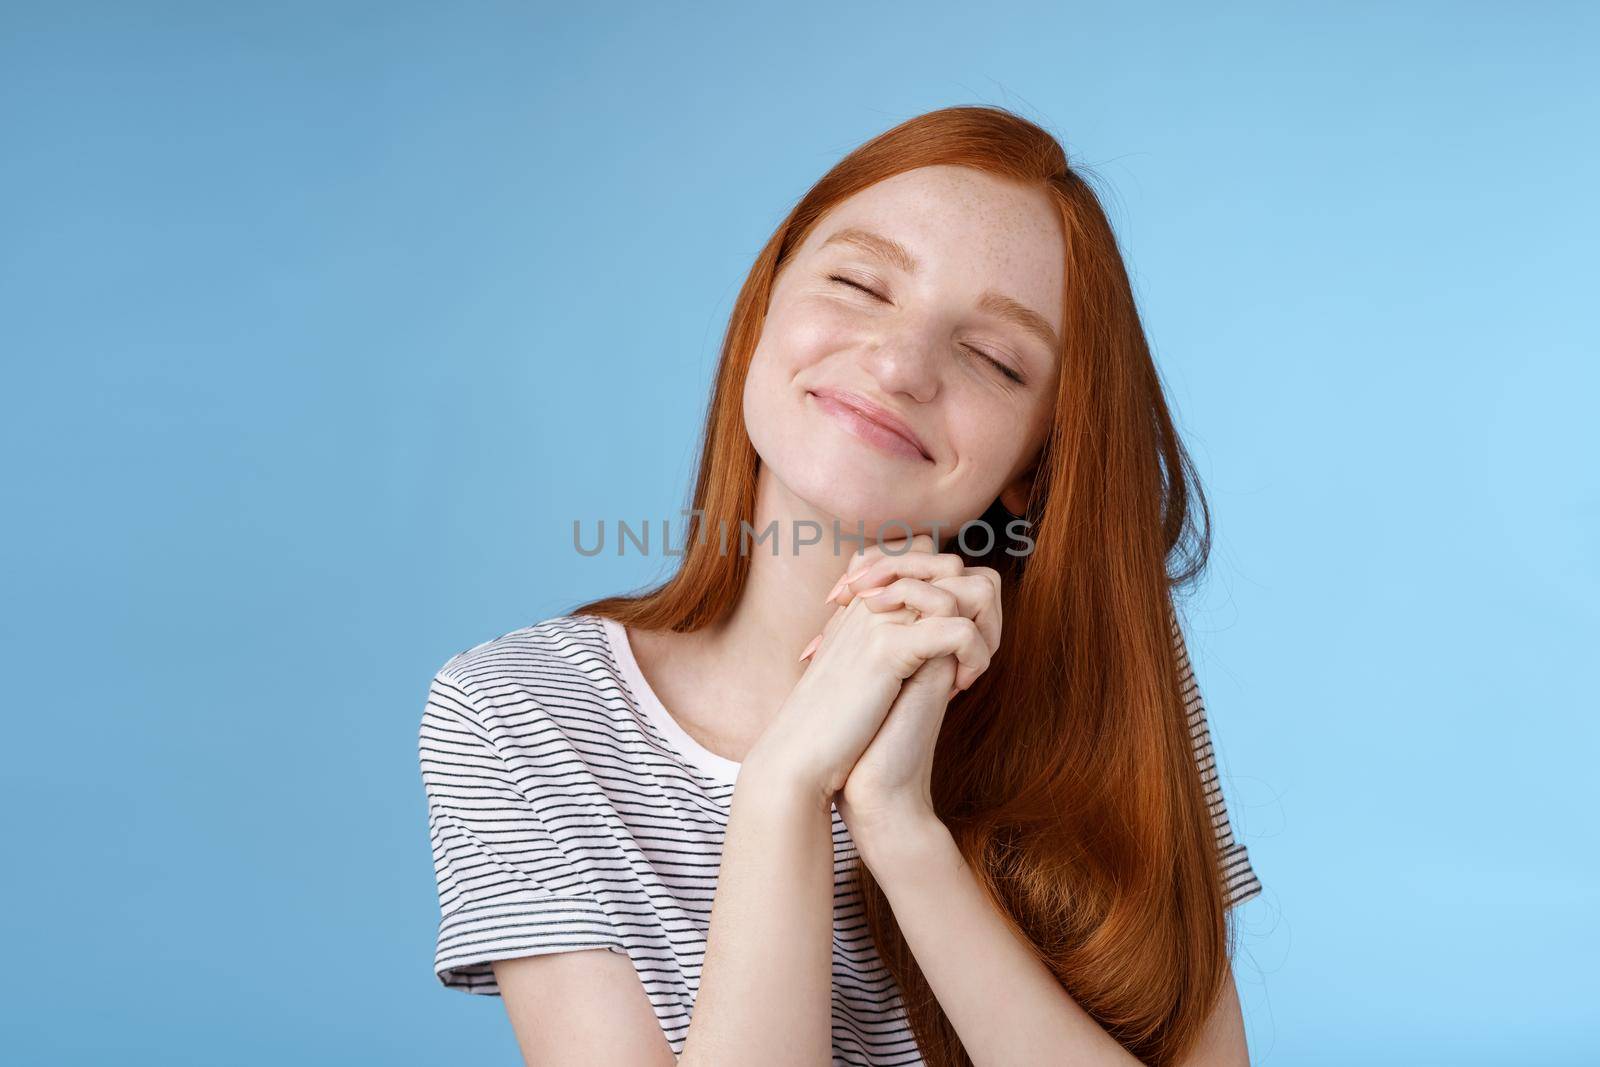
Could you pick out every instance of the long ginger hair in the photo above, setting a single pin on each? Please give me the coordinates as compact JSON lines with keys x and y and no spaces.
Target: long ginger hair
{"x":1066,"y":773}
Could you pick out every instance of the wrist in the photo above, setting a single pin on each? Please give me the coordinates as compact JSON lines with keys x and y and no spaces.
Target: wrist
{"x":767,"y":780}
{"x":901,"y":841}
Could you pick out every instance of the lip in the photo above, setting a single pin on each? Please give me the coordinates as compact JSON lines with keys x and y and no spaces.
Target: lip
{"x":877,"y":418}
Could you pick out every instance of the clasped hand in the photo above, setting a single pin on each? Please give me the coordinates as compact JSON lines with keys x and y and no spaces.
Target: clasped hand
{"x":933,"y":624}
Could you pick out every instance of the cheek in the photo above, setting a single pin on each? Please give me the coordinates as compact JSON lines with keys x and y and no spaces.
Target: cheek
{"x":780,"y":358}
{"x":804,"y":333}
{"x":987,"y":447}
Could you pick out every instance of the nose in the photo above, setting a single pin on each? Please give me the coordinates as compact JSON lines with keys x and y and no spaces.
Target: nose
{"x":906,"y":363}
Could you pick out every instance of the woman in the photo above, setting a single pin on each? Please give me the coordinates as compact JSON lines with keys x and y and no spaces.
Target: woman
{"x":919,"y":842}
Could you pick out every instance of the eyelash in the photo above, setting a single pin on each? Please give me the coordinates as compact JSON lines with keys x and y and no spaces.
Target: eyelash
{"x":1001,"y":367}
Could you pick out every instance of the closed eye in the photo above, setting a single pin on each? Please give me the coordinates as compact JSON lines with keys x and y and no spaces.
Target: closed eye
{"x":997,"y":364}
{"x":853,"y":285}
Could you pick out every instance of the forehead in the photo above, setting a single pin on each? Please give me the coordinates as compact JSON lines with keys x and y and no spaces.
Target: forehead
{"x":963,"y":226}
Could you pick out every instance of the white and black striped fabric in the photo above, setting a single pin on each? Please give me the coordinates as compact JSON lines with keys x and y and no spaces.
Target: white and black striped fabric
{"x":1239,"y":876}
{"x":568,"y":810}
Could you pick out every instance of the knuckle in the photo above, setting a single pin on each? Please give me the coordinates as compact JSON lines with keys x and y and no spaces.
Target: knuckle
{"x":863,"y":559}
{"x":872,"y":640}
{"x":877,"y":621}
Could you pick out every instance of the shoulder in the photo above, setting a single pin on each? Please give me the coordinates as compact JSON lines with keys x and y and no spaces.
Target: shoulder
{"x":552,"y":681}
{"x":542,"y":653}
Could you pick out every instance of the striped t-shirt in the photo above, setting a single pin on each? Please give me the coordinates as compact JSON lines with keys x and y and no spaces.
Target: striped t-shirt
{"x":568,"y":810}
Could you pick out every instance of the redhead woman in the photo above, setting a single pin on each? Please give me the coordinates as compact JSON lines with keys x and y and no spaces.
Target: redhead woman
{"x":905,"y":764}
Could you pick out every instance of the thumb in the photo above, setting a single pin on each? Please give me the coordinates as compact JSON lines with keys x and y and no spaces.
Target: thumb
{"x":937,"y":674}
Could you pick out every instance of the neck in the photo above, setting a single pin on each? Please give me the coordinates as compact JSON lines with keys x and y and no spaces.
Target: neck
{"x":781,"y":603}
{"x":755,"y":649}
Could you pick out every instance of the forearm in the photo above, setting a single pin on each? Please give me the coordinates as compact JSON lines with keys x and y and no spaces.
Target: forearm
{"x":765,"y":987}
{"x":1004,"y":1003}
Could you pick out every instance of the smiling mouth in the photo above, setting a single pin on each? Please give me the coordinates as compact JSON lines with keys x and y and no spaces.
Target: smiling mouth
{"x":866,"y":426}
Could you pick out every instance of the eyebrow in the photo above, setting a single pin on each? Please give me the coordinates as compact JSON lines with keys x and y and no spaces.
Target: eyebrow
{"x":996,"y":304}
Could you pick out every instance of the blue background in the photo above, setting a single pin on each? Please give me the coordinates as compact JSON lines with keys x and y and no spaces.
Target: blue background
{"x":322,"y":322}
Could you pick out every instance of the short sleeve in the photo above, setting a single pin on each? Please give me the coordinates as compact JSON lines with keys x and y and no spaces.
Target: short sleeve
{"x":505,"y":886}
{"x":1239,"y":877}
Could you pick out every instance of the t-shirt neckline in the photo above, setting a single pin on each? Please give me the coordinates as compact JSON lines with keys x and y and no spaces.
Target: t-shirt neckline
{"x":720,"y":768}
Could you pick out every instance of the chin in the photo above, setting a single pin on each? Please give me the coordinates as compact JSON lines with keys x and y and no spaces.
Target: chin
{"x":850,"y":495}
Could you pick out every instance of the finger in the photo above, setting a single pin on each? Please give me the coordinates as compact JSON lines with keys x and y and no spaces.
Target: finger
{"x":976,"y":596}
{"x":925,"y":565}
{"x":944,"y":635}
{"x":941,"y":598}
{"x":933,"y":677}
{"x":828,"y":627}
{"x":859,"y":562}
{"x":889,"y":547}
{"x":920,"y":543}
{"x":975,"y":592}
{"x":837,"y":620}
{"x":905,"y":546}
{"x":912,"y":593}
{"x":990,"y":573}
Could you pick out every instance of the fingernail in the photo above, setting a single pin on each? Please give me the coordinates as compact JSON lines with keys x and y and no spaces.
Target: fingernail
{"x":953,"y":693}
{"x":834,"y":591}
{"x":874,"y":591}
{"x":811,"y":646}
